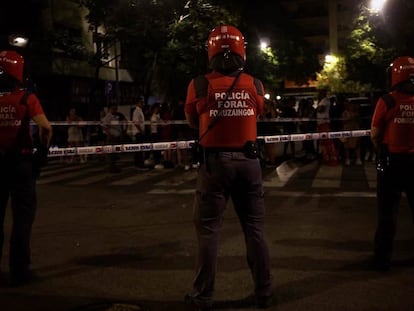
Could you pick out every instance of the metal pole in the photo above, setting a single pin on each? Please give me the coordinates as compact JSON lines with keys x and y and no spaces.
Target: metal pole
{"x":117,"y":86}
{"x":333,"y":27}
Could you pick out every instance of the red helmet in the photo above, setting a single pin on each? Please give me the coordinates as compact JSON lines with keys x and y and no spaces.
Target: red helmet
{"x":226,"y":38}
{"x":12,"y":63}
{"x":402,"y":69}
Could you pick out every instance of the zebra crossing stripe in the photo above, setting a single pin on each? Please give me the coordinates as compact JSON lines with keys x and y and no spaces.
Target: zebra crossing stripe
{"x":178,"y":180}
{"x":52,"y":169}
{"x":328,"y":177}
{"x":172,"y":191}
{"x":89,"y":180}
{"x":72,"y":173}
{"x":272,"y":180}
{"x":341,"y":194}
{"x":371,"y":175}
{"x":138,"y":177}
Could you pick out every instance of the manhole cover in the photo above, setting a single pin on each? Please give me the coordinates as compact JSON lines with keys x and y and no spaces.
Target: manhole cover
{"x":112,"y":307}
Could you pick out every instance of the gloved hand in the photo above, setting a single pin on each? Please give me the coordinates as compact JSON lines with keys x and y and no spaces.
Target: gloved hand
{"x":196,"y":152}
{"x":39,"y":159}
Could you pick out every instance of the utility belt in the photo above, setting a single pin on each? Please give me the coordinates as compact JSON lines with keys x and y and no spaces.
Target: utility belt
{"x":385,"y":158}
{"x":402,"y":156}
{"x":200,"y":153}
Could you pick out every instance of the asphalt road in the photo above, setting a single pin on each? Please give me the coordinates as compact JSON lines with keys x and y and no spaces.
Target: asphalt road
{"x":97,"y":247}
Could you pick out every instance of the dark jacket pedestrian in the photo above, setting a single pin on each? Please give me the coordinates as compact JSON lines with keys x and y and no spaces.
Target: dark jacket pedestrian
{"x":19,"y":166}
{"x":225,"y":105}
{"x":138,"y":131}
{"x":307,"y":112}
{"x":114,"y":126}
{"x":289,"y":113}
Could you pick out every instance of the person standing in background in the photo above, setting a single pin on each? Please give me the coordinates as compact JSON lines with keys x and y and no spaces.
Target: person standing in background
{"x":138,"y":131}
{"x":306,"y":111}
{"x":183,"y":133}
{"x":329,"y":153}
{"x":351,"y":122}
{"x":167,"y":134}
{"x":155,"y":120}
{"x":289,"y":126}
{"x":75,"y":134}
{"x":114,"y":128}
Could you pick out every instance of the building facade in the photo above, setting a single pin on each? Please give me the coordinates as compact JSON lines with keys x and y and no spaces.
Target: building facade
{"x":58,"y":58}
{"x":323,"y":23}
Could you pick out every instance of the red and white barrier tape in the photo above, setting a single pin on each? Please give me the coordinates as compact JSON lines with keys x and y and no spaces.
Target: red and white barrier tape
{"x":168,"y":122}
{"x":186,"y":144}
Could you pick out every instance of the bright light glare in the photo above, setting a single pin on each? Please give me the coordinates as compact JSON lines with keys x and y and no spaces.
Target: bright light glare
{"x":267,"y":96}
{"x":263,"y":46}
{"x":331,"y":59}
{"x":17,"y":40}
{"x":331,"y":62}
{"x":377,"y":5}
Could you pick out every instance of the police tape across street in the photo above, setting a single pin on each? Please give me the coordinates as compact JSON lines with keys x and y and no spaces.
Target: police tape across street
{"x":177,"y":122}
{"x":186,"y":144}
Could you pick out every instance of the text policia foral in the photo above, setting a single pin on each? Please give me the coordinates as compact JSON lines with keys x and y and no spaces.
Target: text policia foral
{"x":406,"y":115}
{"x":8,"y":116}
{"x":233,"y":105}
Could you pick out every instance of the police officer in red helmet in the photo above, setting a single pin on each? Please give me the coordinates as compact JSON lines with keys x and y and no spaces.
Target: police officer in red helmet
{"x":224,"y":105}
{"x":18,"y":164}
{"x":392,"y":133}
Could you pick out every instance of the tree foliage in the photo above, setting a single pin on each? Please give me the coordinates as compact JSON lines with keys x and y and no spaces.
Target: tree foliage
{"x":163,"y":41}
{"x":292,"y":57}
{"x":377,"y":38}
{"x":334,"y":76}
{"x":185,"y":54}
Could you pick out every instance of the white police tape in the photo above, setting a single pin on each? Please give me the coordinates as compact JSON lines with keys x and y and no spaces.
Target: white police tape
{"x":186,"y":144}
{"x":314,"y":136}
{"x":171,"y":122}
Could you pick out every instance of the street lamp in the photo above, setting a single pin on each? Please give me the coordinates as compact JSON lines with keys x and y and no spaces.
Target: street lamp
{"x":18,"y":40}
{"x":263,"y":46}
{"x":331,"y":59}
{"x":377,"y":5}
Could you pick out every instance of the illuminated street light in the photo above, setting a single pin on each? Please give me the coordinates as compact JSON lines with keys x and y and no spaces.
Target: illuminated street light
{"x":377,"y":5}
{"x":331,"y":63}
{"x":18,"y":40}
{"x":263,"y":46}
{"x":266,"y":49}
{"x":331,"y":59}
